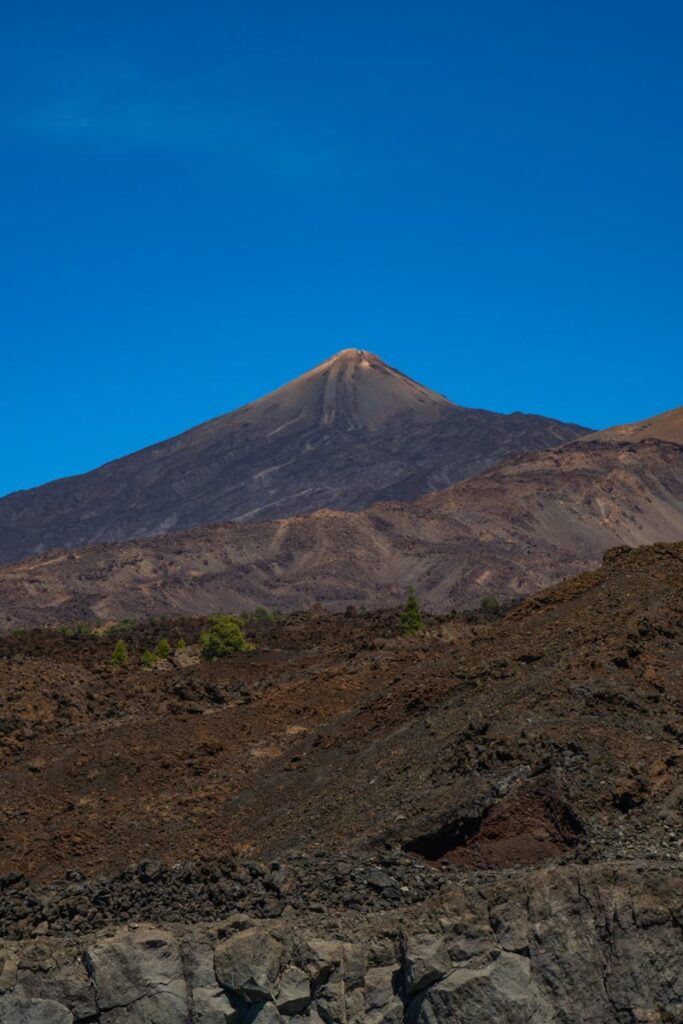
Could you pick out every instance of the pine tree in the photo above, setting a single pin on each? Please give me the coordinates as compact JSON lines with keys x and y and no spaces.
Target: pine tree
{"x":163,"y":649}
{"x":120,"y":653}
{"x":411,"y":616}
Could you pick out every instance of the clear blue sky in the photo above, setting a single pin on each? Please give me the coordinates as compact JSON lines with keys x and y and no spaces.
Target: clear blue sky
{"x":202,"y":200}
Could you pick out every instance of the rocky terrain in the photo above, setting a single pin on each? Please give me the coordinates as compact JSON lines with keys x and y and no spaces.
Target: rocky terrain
{"x":342,"y":826}
{"x":599,"y":944}
{"x":530,"y":522}
{"x":349,"y":433}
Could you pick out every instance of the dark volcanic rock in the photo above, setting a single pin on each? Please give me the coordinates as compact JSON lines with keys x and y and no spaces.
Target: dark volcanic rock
{"x":599,"y":943}
{"x":247,"y":964}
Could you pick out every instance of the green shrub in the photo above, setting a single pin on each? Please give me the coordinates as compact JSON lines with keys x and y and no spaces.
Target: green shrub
{"x":181,"y":645}
{"x":119,"y":628}
{"x":163,"y":649}
{"x":120,"y":653}
{"x":223,"y":636}
{"x":411,"y":616}
{"x":80,"y":629}
{"x":260,"y":614}
{"x":490,"y":605}
{"x":149,"y":659}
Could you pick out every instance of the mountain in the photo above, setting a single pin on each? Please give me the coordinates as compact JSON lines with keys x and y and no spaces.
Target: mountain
{"x":349,"y":433}
{"x":667,"y":426}
{"x":505,"y":533}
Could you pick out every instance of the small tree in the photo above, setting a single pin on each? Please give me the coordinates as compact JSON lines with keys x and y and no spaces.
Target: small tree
{"x":149,"y":659}
{"x":120,"y":653}
{"x":224,"y":636}
{"x":181,"y":645}
{"x":411,"y":616}
{"x":163,"y":649}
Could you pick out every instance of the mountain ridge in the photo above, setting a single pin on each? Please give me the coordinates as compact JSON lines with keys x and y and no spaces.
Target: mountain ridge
{"x":666,"y":426}
{"x":512,"y":530}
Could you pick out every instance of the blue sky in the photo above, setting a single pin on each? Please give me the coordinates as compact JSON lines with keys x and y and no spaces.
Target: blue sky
{"x":200,"y":201}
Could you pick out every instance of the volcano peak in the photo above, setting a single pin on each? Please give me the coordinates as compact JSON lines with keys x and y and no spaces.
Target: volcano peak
{"x":349,"y":432}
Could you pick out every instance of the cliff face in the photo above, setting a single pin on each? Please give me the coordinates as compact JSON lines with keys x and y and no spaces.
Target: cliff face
{"x":567,"y":944}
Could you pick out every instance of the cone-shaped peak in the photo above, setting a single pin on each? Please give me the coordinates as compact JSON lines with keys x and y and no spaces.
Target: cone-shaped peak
{"x":350,"y":432}
{"x":359,"y":356}
{"x":355,"y":389}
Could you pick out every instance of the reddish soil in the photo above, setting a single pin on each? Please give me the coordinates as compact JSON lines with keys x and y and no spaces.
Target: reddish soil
{"x":529,"y":825}
{"x":555,"y":731}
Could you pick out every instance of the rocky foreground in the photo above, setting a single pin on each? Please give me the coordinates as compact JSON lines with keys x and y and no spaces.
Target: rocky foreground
{"x":479,"y":824}
{"x":599,"y":943}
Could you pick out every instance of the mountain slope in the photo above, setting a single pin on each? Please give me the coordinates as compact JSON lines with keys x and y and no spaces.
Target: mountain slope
{"x":351,"y":432}
{"x":330,"y":727}
{"x":505,"y":533}
{"x":667,"y":426}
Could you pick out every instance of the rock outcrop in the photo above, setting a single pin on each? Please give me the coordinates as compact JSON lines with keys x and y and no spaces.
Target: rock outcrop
{"x":564,"y":945}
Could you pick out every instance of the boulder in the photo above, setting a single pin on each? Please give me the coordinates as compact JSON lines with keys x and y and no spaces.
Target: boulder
{"x":337,"y":971}
{"x":68,"y":984}
{"x":325,"y":960}
{"x":380,"y":986}
{"x":380,"y":880}
{"x":425,"y":960}
{"x":323,"y":957}
{"x":138,"y":977}
{"x":19,"y":1010}
{"x":212,"y":1006}
{"x":293,"y":991}
{"x":247,"y":964}
{"x":502,"y":991}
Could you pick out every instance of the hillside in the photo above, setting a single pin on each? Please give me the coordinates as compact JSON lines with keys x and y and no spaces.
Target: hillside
{"x":318,"y":717}
{"x":349,"y":433}
{"x":508,"y":532}
{"x":341,"y":826}
{"x":667,"y":426}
